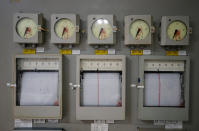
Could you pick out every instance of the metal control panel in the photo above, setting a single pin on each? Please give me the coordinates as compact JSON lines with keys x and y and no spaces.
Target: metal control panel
{"x":38,"y":91}
{"x":92,"y":68}
{"x":165,"y":88}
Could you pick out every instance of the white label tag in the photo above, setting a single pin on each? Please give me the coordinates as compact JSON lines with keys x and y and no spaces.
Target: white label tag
{"x":99,"y":127}
{"x":182,"y":52}
{"x":159,"y":122}
{"x":75,"y":52}
{"x":111,"y":51}
{"x":23,"y":123}
{"x":173,"y":125}
{"x":146,"y":52}
{"x":110,"y":121}
{"x":40,"y":49}
{"x":39,"y":121}
{"x":53,"y":121}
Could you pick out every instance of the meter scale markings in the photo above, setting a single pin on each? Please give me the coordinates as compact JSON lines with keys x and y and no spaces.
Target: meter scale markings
{"x":102,"y":29}
{"x":64,"y":28}
{"x":177,"y":31}
{"x":26,"y":28}
{"x":139,"y":29}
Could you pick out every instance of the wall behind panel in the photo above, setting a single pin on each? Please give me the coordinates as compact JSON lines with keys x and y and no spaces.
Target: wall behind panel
{"x":120,"y":8}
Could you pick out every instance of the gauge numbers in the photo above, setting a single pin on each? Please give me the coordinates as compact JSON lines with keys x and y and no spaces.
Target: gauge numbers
{"x":102,"y":29}
{"x":139,"y":29}
{"x":177,"y":30}
{"x":26,"y":28}
{"x":64,"y":28}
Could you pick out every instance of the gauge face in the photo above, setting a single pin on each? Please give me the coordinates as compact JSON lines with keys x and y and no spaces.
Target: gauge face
{"x":139,"y":29}
{"x":177,"y":30}
{"x":102,"y":29}
{"x":64,"y":28}
{"x":26,"y":28}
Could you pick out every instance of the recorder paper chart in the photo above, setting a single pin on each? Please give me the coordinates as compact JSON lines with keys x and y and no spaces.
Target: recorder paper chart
{"x":101,"y":89}
{"x":39,"y":88}
{"x":162,"y":89}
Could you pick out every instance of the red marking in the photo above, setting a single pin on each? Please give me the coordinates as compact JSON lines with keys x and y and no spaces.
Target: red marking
{"x":139,"y":33}
{"x":27,"y":31}
{"x":119,"y":103}
{"x":56,"y":103}
{"x":98,"y":89}
{"x":65,"y":31}
{"x":177,"y":35}
{"x":159,"y":89}
{"x":103,"y":34}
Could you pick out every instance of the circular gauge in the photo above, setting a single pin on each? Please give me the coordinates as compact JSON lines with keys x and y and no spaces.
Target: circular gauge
{"x":176,"y":30}
{"x":102,"y":29}
{"x":26,"y":28}
{"x":139,"y":29}
{"x":64,"y":28}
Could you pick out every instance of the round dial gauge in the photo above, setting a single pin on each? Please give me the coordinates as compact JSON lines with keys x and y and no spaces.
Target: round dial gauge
{"x":139,"y":29}
{"x":64,"y":28}
{"x":176,"y":30}
{"x":102,"y":29}
{"x":26,"y":28}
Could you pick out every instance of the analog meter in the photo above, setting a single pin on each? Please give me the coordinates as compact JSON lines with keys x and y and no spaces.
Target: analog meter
{"x":138,"y":30}
{"x":65,"y":29}
{"x":27,"y":28}
{"x":175,"y":30}
{"x":102,"y":29}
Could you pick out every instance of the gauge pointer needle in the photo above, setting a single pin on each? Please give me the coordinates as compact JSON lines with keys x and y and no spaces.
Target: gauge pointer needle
{"x":27,"y":30}
{"x":175,"y":33}
{"x":101,"y":30}
{"x":138,"y":31}
{"x":64,"y":30}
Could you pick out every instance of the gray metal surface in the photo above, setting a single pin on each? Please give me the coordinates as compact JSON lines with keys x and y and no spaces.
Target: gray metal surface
{"x":120,"y":8}
{"x":74,"y":19}
{"x":128,"y":39}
